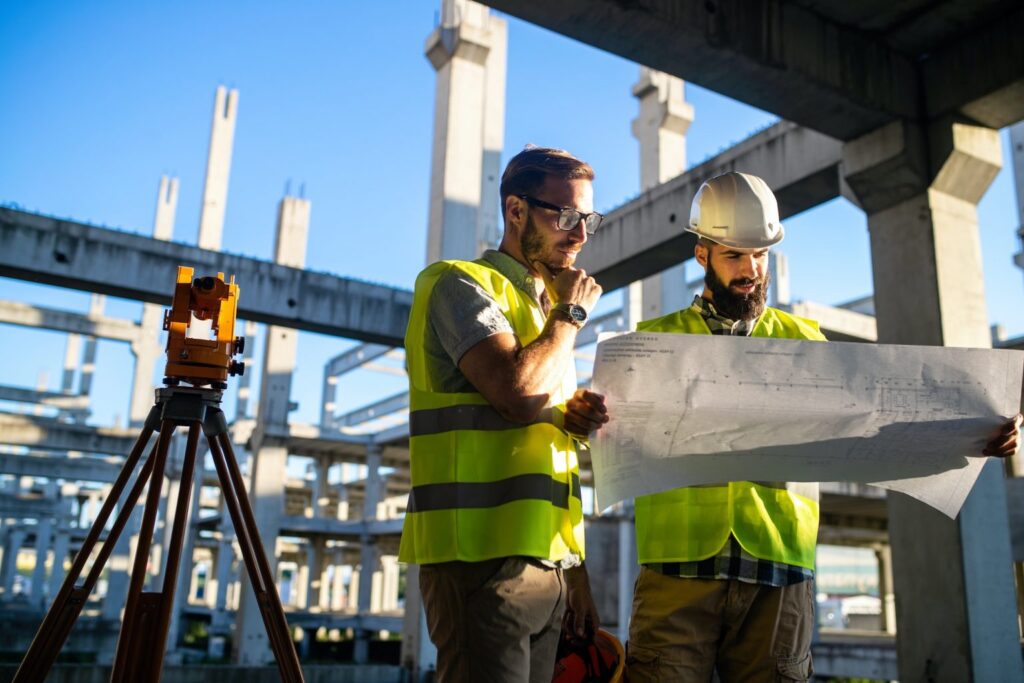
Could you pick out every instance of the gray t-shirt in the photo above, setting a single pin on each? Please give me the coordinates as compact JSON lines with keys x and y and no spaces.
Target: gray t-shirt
{"x":461,"y":315}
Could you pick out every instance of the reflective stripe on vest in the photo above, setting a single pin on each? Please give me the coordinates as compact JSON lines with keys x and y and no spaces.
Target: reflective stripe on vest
{"x":483,"y":486}
{"x":771,"y":520}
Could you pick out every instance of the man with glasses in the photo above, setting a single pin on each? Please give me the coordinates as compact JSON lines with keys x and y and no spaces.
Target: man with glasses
{"x":495,"y":519}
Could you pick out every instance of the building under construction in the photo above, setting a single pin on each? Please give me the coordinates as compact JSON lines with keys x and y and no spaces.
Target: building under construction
{"x":895,"y":106}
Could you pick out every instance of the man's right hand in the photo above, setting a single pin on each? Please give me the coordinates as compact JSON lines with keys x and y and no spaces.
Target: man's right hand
{"x":571,"y":286}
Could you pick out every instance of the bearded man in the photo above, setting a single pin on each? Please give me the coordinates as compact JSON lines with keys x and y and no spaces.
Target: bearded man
{"x":495,"y":518}
{"x":726,"y":582}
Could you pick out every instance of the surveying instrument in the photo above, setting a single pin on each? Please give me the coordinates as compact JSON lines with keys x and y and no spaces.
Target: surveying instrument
{"x":203,"y":365}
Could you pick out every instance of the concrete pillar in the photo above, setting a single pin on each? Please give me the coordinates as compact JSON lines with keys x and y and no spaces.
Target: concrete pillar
{"x":61,"y":543}
{"x":369,"y":555}
{"x":269,"y":463}
{"x":660,"y":128}
{"x":218,"y":168}
{"x":338,"y":602}
{"x":468,"y":52}
{"x":96,"y":304}
{"x":44,"y":541}
{"x":9,"y":565}
{"x":628,"y":567}
{"x":220,"y":621}
{"x":883,"y":554}
{"x":391,"y":571}
{"x":72,"y":352}
{"x":184,"y":578}
{"x":418,"y":652}
{"x":778,"y":268}
{"x":315,"y":574}
{"x":146,"y":347}
{"x":920,"y":187}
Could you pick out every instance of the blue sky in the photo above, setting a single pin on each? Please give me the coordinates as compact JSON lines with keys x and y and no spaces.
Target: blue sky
{"x":102,"y":98}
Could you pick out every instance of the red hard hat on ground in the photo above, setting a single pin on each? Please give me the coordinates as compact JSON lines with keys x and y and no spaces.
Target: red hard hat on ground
{"x":600,"y":660}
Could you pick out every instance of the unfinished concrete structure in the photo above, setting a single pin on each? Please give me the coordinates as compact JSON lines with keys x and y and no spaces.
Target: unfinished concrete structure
{"x":336,"y":535}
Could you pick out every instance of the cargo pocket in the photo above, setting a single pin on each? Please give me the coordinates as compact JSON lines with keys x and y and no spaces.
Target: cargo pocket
{"x":794,"y":668}
{"x":642,"y":664}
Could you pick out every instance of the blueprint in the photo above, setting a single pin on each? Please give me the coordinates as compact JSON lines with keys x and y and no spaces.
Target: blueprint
{"x":696,"y":409}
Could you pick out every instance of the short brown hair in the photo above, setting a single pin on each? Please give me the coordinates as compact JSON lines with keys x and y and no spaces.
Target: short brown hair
{"x":527,"y":171}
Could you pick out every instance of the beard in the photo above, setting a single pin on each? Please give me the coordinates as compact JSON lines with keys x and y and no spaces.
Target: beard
{"x":737,"y":306}
{"x":533,"y":247}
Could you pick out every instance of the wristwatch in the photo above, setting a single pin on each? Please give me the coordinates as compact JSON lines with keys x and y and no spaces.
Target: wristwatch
{"x":576,"y":314}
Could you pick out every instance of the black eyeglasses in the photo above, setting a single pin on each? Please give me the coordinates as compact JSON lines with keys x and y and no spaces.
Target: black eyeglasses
{"x":568,"y":217}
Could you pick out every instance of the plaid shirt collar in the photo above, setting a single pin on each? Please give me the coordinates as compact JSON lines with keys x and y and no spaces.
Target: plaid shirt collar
{"x":718,"y":323}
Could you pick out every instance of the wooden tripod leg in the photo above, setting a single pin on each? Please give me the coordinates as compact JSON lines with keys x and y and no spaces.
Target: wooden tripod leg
{"x":255,"y":558}
{"x":69,"y":601}
{"x":139,"y":609}
{"x":173,"y":562}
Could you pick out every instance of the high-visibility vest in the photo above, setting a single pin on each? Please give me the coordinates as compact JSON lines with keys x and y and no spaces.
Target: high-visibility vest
{"x":482,"y":486}
{"x":771,"y":520}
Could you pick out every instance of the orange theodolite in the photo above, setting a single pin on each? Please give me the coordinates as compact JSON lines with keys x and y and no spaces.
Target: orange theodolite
{"x":203,"y":361}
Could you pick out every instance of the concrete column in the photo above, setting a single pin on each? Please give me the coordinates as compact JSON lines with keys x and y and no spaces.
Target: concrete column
{"x":146,"y":348}
{"x":62,"y":540}
{"x":920,"y":188}
{"x":418,"y":653}
{"x":883,"y":554}
{"x":218,"y":168}
{"x":96,"y":304}
{"x":72,"y":352}
{"x":778,"y":268}
{"x":220,"y":622}
{"x":628,"y":567}
{"x":660,"y":128}
{"x":44,"y":541}
{"x":369,"y":556}
{"x":389,"y":582}
{"x":269,"y":463}
{"x":338,"y":601}
{"x":315,"y":574}
{"x":9,"y":565}
{"x":184,"y":578}
{"x":118,"y":568}
{"x":468,"y":128}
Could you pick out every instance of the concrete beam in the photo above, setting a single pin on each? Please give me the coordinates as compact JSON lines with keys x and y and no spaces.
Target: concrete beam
{"x":72,"y":254}
{"x":70,"y":402}
{"x":979,"y":74}
{"x":336,"y":528}
{"x":391,"y":404}
{"x":777,"y":56}
{"x":49,"y":434}
{"x":645,"y":236}
{"x":25,"y":315}
{"x":21,"y":507}
{"x":838,"y":324}
{"x":354,"y":358}
{"x":59,"y":467}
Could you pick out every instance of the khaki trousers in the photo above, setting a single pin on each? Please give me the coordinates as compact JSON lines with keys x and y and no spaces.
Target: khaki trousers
{"x":685,"y":629}
{"x":496,"y":621}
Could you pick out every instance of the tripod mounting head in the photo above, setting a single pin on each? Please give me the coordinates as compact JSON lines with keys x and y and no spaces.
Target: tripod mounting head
{"x":202,"y":361}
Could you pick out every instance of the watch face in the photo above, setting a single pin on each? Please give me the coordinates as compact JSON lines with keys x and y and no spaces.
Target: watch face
{"x":578,"y":313}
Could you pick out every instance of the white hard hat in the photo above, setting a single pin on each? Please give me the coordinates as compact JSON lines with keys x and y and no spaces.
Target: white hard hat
{"x":736,"y":210}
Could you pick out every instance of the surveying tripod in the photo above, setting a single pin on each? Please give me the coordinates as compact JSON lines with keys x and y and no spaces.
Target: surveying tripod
{"x":205,"y":365}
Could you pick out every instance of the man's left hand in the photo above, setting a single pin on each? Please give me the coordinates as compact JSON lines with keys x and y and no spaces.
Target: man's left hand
{"x":581,"y":619}
{"x":1006,"y":442}
{"x":585,"y":412}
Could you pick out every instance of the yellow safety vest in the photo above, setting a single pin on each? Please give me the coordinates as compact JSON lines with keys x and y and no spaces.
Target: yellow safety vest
{"x":772,"y":520}
{"x":482,"y":486}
